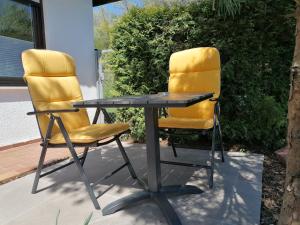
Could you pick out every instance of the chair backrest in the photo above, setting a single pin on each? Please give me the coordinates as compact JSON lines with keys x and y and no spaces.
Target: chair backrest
{"x":53,"y":84}
{"x":194,"y":71}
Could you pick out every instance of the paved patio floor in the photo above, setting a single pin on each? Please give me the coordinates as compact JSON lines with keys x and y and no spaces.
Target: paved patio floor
{"x":17,"y":161}
{"x":235,"y":199}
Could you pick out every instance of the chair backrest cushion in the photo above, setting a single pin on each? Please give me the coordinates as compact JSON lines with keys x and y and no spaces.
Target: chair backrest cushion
{"x":53,"y":84}
{"x":196,"y":70}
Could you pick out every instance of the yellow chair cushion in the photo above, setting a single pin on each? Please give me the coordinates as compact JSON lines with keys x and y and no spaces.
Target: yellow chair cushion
{"x":195,"y":71}
{"x":185,"y":123}
{"x":92,"y":133}
{"x":47,"y":63}
{"x":195,"y":60}
{"x":49,"y":93}
{"x":53,"y":84}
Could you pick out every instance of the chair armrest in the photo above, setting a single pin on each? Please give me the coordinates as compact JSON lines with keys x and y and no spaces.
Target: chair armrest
{"x":217,"y":106}
{"x":52,"y":111}
{"x":214,"y":99}
{"x":107,"y":117}
{"x":163,"y":112}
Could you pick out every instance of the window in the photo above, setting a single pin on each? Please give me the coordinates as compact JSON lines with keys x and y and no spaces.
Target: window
{"x":21,"y":28}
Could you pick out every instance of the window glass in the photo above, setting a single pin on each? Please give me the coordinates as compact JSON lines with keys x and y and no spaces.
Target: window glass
{"x":16,"y":35}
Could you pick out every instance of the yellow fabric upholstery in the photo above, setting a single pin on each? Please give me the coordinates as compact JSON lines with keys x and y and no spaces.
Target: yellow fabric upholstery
{"x":57,"y":93}
{"x":53,"y":84}
{"x":46,"y":63}
{"x":193,"y":71}
{"x":186,"y":123}
{"x":92,"y":133}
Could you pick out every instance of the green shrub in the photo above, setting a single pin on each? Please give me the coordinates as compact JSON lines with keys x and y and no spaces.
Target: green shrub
{"x":256,"y":48}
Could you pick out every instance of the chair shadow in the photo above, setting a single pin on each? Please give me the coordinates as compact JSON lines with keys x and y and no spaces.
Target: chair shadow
{"x":233,"y":200}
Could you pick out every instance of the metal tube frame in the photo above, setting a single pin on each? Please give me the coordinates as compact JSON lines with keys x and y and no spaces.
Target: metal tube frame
{"x":216,"y":130}
{"x":79,"y":161}
{"x":155,"y":191}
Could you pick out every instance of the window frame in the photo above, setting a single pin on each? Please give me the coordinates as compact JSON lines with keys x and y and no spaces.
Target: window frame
{"x":38,"y":37}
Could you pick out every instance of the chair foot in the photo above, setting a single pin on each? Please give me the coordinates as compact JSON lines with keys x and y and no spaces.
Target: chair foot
{"x":211,"y":184}
{"x":173,"y":149}
{"x":212,"y":159}
{"x":221,"y":142}
{"x":211,"y":179}
{"x":223,"y":160}
{"x":83,"y":158}
{"x":39,"y":170}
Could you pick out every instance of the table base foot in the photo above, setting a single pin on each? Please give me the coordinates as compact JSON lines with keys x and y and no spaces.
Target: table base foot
{"x":180,"y":190}
{"x":125,"y":202}
{"x":160,"y":198}
{"x":169,"y":213}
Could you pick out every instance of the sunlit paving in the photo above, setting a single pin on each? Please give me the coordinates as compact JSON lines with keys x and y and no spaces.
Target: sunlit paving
{"x":235,"y":198}
{"x":149,"y":112}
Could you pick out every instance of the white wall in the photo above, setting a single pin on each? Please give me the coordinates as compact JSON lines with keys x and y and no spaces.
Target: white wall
{"x":15,"y":125}
{"x":68,"y":28}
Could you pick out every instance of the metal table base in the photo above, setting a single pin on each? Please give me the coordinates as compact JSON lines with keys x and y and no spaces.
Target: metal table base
{"x":160,"y":198}
{"x":155,"y":192}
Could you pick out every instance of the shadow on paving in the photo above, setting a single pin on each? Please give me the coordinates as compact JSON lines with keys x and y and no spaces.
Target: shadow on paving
{"x":235,"y":198}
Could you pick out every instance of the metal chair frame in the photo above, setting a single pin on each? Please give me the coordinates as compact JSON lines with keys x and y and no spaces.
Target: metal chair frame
{"x":79,"y":161}
{"x":216,"y":130}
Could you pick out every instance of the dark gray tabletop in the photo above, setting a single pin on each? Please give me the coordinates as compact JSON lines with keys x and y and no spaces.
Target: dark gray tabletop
{"x":163,"y":99}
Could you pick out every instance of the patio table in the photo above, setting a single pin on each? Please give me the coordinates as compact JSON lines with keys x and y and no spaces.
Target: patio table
{"x":154,"y":190}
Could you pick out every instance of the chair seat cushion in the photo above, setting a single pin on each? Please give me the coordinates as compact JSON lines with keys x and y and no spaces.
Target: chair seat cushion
{"x":186,"y":123}
{"x":91,"y":133}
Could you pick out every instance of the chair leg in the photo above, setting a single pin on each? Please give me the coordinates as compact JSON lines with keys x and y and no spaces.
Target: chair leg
{"x":84,"y":177}
{"x":174,"y":150}
{"x":39,"y":169}
{"x":126,"y":159}
{"x":78,"y":163}
{"x":173,"y":146}
{"x":43,"y":155}
{"x":212,"y":159}
{"x":86,"y":149}
{"x":221,"y":142}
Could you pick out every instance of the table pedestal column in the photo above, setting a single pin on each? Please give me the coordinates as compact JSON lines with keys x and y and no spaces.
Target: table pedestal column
{"x":154,"y":191}
{"x":153,"y":150}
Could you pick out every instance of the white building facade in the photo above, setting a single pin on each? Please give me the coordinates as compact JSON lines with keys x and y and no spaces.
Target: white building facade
{"x":68,"y":27}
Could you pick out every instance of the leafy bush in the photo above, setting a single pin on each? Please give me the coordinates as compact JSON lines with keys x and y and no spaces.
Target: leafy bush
{"x":15,"y":22}
{"x":256,"y":49}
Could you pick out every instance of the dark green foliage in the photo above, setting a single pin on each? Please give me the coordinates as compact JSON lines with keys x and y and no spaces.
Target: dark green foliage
{"x":256,"y":48}
{"x":16,"y":22}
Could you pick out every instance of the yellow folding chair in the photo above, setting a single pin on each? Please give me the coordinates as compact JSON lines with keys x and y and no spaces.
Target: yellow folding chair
{"x":53,"y":87}
{"x":195,"y":71}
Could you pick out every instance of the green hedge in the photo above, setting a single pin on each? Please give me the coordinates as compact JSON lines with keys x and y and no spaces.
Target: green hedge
{"x":256,"y":48}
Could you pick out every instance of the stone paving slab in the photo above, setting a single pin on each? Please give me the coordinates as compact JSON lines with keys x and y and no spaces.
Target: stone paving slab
{"x":17,"y":161}
{"x":235,"y":199}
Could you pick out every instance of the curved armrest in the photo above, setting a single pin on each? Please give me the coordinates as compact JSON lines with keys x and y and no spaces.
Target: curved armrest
{"x":214,"y":99}
{"x":163,"y":112}
{"x":217,"y":106}
{"x":52,"y":111}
